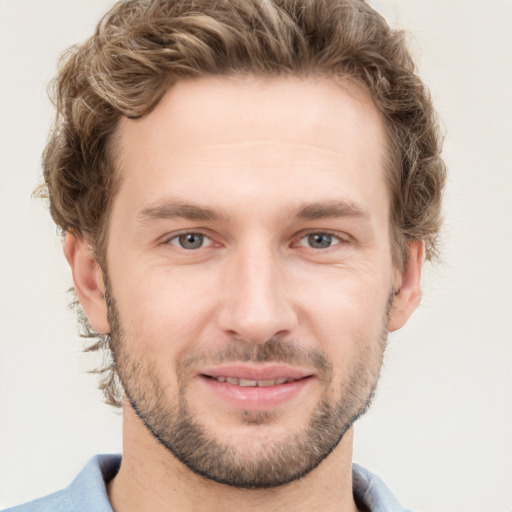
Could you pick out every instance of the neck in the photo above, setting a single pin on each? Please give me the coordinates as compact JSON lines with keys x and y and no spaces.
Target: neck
{"x":152,"y":479}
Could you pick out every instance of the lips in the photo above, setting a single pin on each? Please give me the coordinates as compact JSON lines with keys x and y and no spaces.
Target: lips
{"x":253,"y":383}
{"x":260,"y":373}
{"x":255,"y":387}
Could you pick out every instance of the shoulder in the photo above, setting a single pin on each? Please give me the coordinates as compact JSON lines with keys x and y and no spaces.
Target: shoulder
{"x":372,"y":494}
{"x":56,"y":502}
{"x":87,"y":492}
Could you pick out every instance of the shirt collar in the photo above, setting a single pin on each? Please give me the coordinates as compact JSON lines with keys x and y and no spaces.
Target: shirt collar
{"x":88,"y":491}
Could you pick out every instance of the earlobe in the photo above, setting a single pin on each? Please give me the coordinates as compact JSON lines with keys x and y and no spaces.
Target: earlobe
{"x":88,"y":281}
{"x":407,"y":295}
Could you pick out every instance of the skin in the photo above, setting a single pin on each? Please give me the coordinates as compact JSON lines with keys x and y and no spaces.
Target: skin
{"x":255,"y":152}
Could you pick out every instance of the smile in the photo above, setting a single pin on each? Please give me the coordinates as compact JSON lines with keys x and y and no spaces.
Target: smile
{"x":255,"y":387}
{"x":253,"y":383}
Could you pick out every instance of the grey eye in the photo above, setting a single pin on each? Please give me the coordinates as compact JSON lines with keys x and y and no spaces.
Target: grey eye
{"x":189,"y":241}
{"x":319,"y":240}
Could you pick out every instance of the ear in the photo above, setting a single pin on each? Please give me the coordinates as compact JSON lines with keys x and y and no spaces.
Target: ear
{"x":407,"y":288}
{"x":88,"y":281}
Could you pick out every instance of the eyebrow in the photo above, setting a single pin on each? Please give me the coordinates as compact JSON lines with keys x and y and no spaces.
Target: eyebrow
{"x":309,"y":211}
{"x":330,"y":210}
{"x":177,"y":210}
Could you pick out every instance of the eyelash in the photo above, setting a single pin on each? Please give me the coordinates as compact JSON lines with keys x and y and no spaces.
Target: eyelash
{"x":333,"y":236}
{"x":177,"y":237}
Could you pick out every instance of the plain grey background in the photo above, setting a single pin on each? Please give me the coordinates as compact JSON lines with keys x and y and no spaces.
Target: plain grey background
{"x":440,"y":429}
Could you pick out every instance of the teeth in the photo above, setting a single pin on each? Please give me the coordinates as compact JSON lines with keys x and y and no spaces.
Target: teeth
{"x":247,"y":383}
{"x":253,"y":383}
{"x":265,"y":383}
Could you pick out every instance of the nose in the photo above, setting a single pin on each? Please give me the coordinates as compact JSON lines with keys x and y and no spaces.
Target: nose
{"x":256,"y":303}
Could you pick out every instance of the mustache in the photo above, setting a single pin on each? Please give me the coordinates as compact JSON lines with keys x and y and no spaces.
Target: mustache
{"x":274,"y":350}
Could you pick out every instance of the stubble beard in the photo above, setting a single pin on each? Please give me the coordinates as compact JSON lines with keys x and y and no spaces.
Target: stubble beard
{"x":278,"y":462}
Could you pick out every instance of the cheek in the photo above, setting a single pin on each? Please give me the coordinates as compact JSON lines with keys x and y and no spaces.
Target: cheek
{"x":344,"y":309}
{"x":164,"y":310}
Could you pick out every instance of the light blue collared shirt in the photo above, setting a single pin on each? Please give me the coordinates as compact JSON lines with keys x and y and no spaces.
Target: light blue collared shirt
{"x":88,"y":492}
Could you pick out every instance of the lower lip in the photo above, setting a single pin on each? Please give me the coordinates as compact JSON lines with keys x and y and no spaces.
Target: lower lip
{"x":256,"y":398}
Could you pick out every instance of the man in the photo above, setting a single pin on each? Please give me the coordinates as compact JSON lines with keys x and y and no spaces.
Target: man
{"x":248,"y":190}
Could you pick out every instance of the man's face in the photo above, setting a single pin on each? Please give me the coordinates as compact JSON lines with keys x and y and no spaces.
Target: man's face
{"x":250,"y":273}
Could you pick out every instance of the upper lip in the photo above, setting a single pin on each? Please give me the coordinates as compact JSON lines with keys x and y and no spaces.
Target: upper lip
{"x":260,"y":372}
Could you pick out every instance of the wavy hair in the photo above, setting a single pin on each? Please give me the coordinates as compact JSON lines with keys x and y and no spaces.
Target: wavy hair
{"x":142,"y":47}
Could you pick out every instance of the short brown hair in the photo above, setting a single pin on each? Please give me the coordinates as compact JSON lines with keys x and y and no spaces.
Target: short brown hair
{"x":142,"y":47}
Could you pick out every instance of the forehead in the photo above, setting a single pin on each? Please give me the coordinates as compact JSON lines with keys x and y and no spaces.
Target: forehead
{"x":295,"y":137}
{"x":213,"y":110}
